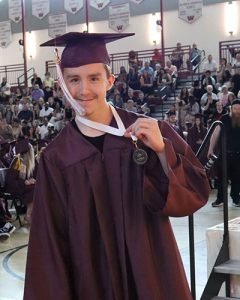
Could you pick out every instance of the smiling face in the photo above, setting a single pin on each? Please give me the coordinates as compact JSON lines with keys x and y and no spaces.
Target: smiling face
{"x":88,"y":84}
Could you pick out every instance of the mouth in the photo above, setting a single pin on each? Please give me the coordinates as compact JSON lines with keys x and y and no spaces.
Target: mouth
{"x":85,"y":100}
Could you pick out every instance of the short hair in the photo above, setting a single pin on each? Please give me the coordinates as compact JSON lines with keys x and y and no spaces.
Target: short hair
{"x":108,"y":70}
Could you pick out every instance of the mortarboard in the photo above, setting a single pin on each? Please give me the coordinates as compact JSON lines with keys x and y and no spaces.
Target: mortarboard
{"x":83,"y":48}
{"x":171,"y":113}
{"x":22,"y":146}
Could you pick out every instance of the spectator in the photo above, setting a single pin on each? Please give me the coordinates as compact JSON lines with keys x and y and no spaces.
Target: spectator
{"x":194,"y":55}
{"x":19,"y":93}
{"x":177,"y":56}
{"x":164,"y":82}
{"x":36,"y":80}
{"x":25,"y":114}
{"x":157,"y":57}
{"x":148,"y":69}
{"x":223,"y":95}
{"x":181,"y":103}
{"x":57,"y":93}
{"x":172,"y":121}
{"x":192,"y":108}
{"x":68,"y":112}
{"x":236,"y":82}
{"x":146,"y":82}
{"x":48,"y":92}
{"x":118,"y":101}
{"x":37,"y":93}
{"x":231,"y":98}
{"x":236,"y":63}
{"x":48,"y":81}
{"x":208,"y":80}
{"x":133,"y":79}
{"x":209,"y":107}
{"x":46,"y":111}
{"x":57,"y":118}
{"x":222,"y":68}
{"x":5,"y":90}
{"x":130,"y":106}
{"x":172,"y":69}
{"x":5,"y":130}
{"x":16,"y":128}
{"x":219,"y":112}
{"x":8,"y":115}
{"x":197,"y":133}
{"x":43,"y":130}
{"x":133,"y":59}
{"x":210,"y":65}
{"x":141,"y":99}
{"x":197,"y":91}
{"x":209,"y":92}
{"x":51,"y":102}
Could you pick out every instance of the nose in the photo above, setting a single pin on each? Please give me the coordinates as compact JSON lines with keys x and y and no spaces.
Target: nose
{"x":83,"y":88}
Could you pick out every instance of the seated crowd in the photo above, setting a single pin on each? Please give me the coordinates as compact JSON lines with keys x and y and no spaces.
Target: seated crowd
{"x":31,"y":117}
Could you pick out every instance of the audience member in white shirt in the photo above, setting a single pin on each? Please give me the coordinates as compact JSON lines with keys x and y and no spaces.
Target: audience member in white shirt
{"x":46,"y":111}
{"x":210,"y":65}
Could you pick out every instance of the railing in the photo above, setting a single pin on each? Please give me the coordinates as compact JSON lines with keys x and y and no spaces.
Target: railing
{"x":12,"y":72}
{"x":225,"y":201}
{"x":228,"y":50}
{"x":196,"y":70}
{"x":21,"y":79}
{"x":122,"y":59}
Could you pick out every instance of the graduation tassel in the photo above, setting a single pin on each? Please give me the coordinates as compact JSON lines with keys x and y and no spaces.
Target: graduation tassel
{"x":18,"y":163}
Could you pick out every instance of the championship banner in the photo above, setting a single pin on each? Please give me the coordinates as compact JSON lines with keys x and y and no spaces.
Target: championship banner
{"x":5,"y":34}
{"x":73,"y":6}
{"x":190,"y":10}
{"x":57,"y":25}
{"x":99,"y":4}
{"x":15,"y":10}
{"x":119,"y":17}
{"x":136,"y":1}
{"x":40,"y":8}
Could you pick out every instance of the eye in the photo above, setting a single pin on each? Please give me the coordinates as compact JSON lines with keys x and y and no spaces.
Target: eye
{"x":74,"y":80}
{"x":94,"y":78}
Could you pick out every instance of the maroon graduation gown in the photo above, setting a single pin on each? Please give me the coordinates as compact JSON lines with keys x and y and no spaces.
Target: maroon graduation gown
{"x":100,"y":228}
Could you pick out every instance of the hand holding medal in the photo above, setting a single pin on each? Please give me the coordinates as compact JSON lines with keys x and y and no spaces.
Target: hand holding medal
{"x":146,"y":130}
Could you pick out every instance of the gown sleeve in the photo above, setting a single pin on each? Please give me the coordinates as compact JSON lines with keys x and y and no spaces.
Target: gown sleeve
{"x":14,"y":184}
{"x":186,"y":189}
{"x":48,"y":273}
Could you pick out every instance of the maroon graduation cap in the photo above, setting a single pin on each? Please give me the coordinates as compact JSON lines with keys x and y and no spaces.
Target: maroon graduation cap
{"x":22,"y":146}
{"x":83,"y":48}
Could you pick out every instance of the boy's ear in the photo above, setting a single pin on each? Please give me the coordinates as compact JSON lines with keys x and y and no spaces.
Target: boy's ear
{"x":111,"y":80}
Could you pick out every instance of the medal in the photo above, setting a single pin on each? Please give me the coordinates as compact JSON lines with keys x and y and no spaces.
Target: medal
{"x":140,"y":156}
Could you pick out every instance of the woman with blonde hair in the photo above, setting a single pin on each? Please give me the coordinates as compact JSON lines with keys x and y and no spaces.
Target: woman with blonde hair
{"x":20,"y":181}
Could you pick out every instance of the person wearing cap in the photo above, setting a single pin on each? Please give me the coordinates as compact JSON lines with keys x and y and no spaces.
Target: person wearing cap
{"x":231,"y":124}
{"x":173,"y":122}
{"x":20,"y":180}
{"x":106,"y":186}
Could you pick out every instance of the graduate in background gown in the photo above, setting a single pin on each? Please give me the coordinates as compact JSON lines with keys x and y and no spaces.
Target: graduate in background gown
{"x":100,"y":228}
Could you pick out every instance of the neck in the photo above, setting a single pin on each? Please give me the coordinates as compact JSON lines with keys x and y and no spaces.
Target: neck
{"x":104,"y":117}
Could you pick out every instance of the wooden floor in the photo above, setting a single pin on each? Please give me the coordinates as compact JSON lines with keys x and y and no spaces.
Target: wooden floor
{"x":13,"y":251}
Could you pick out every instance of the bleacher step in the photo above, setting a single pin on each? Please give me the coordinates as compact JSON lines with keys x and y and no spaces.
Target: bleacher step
{"x":229,"y":267}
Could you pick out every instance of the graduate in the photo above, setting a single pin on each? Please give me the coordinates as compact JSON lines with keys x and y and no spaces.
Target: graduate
{"x":105,"y":189}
